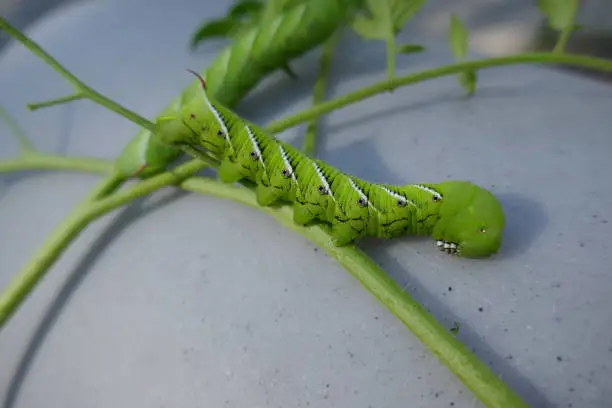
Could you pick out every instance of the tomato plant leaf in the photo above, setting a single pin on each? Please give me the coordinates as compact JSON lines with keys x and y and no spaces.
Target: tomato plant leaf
{"x":410,"y":48}
{"x":384,"y":17}
{"x":560,"y":13}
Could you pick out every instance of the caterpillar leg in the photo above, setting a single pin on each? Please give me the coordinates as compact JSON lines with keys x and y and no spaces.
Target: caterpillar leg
{"x":343,"y":234}
{"x":266,"y":196}
{"x":230,"y":172}
{"x":302,"y":215}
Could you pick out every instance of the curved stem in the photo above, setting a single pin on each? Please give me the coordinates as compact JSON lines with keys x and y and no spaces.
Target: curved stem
{"x":310,"y":141}
{"x":25,"y":145}
{"x":44,"y":161}
{"x":354,"y":97}
{"x":38,"y":265}
{"x":489,"y":388}
{"x":99,"y":202}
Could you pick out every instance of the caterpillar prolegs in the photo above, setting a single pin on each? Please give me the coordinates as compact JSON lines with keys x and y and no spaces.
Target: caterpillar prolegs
{"x":463,"y":218}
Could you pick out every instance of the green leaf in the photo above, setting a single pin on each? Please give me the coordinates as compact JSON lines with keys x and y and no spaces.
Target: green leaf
{"x":276,"y":7}
{"x":468,"y":80}
{"x":246,"y":8}
{"x":560,"y":13}
{"x":409,"y":48}
{"x":222,"y":27}
{"x":458,"y":37}
{"x":385,"y":16}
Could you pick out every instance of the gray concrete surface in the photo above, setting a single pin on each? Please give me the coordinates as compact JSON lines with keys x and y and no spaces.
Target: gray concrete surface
{"x":184,"y":300}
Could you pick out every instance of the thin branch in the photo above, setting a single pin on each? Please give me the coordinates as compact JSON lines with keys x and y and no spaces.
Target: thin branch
{"x":383,"y":86}
{"x":44,"y":161}
{"x":320,"y":88}
{"x":80,"y":87}
{"x":95,"y":204}
{"x":57,"y":101}
{"x":17,"y":131}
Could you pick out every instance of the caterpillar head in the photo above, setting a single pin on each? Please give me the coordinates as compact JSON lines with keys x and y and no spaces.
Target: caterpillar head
{"x":471,"y":220}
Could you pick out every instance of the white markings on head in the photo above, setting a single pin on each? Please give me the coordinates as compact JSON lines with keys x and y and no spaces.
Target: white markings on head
{"x":323,"y":179}
{"x":363,"y":199}
{"x":287,"y":162}
{"x":398,"y":197}
{"x":437,"y":196}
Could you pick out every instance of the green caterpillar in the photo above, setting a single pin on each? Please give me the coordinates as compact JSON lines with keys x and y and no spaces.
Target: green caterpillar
{"x":239,"y":68}
{"x":462,"y":218}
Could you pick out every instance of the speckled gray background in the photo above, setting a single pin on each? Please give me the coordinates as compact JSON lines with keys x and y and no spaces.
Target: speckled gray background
{"x":184,"y":300}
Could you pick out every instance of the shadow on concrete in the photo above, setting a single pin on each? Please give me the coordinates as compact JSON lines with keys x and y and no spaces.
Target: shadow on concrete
{"x":72,"y":283}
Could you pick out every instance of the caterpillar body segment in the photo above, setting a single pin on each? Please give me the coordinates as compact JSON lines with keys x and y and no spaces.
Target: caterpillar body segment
{"x":461,"y":217}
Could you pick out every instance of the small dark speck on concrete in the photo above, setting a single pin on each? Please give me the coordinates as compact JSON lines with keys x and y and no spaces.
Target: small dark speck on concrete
{"x":316,"y":249}
{"x":452,"y":404}
{"x":604,"y":221}
{"x":450,"y":288}
{"x":505,"y":329}
{"x":571,"y":389}
{"x":376,"y":317}
{"x":327,"y":385}
{"x":510,"y":357}
{"x":480,"y":309}
{"x":557,"y":285}
{"x":437,"y":394}
{"x":559,"y":358}
{"x":581,"y":244}
{"x":570,"y":405}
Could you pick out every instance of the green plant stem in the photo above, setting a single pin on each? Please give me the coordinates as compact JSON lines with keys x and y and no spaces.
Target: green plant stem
{"x":44,"y":161}
{"x":320,"y":88}
{"x":68,"y":230}
{"x":391,"y":44}
{"x":80,"y":87}
{"x":357,"y":96}
{"x":485,"y":384}
{"x":57,"y":101}
{"x":568,"y":30}
{"x":97,"y":203}
{"x":15,"y":128}
{"x":391,"y":56}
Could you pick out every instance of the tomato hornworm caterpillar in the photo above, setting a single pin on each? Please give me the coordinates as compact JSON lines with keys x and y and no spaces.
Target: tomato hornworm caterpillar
{"x":462,"y":218}
{"x":239,"y":68}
